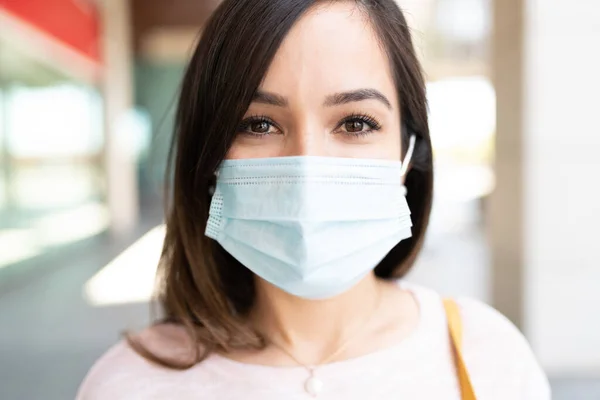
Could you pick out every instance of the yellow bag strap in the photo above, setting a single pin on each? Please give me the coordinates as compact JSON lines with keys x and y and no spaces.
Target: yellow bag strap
{"x":455,"y":329}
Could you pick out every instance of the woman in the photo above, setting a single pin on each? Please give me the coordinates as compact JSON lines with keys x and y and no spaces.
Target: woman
{"x":302,"y":190}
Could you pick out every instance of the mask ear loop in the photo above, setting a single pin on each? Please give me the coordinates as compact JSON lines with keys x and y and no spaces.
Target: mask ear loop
{"x":407,"y":158}
{"x":409,"y":154}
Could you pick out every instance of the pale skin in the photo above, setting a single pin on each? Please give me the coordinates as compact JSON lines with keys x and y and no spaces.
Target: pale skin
{"x":329,"y":92}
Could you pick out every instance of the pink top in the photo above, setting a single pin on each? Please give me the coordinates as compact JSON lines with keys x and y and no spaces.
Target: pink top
{"x":500,"y":363}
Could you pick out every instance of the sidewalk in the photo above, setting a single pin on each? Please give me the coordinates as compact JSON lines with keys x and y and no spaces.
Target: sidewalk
{"x":49,"y":334}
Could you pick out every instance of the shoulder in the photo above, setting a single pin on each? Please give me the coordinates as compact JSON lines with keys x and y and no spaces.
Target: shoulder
{"x":498,"y":356}
{"x":112,"y":375}
{"x":121,"y":373}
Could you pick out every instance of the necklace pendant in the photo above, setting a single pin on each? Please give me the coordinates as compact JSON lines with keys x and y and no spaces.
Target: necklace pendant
{"x":313,"y":385}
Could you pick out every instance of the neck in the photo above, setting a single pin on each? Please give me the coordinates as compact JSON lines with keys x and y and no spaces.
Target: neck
{"x":314,"y":328}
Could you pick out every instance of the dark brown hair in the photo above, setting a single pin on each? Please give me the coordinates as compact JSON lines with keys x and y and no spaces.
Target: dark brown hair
{"x":202,"y":287}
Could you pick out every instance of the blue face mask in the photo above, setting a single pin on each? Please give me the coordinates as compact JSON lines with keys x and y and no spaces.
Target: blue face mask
{"x":312,"y":226}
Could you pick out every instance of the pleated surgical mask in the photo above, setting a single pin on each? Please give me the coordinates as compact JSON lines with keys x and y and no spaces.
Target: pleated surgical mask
{"x":312,"y":226}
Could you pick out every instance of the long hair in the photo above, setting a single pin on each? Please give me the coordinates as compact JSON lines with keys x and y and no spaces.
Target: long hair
{"x":202,"y":287}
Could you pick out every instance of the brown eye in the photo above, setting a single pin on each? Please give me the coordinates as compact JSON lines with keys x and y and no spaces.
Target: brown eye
{"x":354,"y":126}
{"x":259,"y":127}
{"x":358,"y":125}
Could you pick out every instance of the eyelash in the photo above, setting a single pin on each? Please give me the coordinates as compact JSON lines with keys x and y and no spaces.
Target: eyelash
{"x":373,"y":124}
{"x":253,"y":119}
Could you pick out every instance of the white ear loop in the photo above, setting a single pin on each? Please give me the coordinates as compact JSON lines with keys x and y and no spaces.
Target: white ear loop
{"x":409,"y":154}
{"x":407,"y":158}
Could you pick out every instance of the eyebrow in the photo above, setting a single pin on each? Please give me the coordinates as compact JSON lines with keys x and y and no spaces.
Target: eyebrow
{"x":270,"y":98}
{"x":357,"y":95}
{"x":331,"y":100}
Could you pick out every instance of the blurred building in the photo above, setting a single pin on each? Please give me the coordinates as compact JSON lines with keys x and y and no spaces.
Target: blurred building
{"x":87,"y":90}
{"x":51,"y":128}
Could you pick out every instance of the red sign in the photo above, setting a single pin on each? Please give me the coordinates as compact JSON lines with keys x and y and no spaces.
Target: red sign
{"x":74,"y":23}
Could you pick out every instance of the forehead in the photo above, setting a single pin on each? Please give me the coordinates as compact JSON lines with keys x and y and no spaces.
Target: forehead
{"x":332,"y":48}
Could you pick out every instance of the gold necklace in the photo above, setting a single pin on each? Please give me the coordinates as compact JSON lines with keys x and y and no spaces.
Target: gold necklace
{"x":313,"y":385}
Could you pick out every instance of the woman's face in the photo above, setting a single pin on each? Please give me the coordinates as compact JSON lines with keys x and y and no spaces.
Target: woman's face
{"x":329,"y":92}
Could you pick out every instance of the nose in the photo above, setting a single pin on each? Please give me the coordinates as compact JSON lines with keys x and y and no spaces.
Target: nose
{"x":306,"y":141}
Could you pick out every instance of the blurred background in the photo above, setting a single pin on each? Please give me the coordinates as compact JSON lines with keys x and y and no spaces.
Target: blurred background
{"x":87,"y":91}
